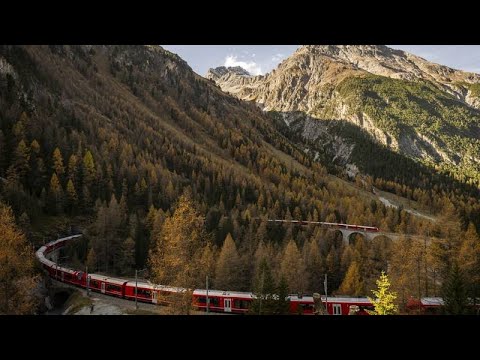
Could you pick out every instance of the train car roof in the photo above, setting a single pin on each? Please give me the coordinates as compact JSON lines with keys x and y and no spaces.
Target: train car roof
{"x":64,"y":239}
{"x":169,"y":288}
{"x":432,"y":301}
{"x":238,"y":294}
{"x":107,"y":279}
{"x":59,"y":268}
{"x":140,"y":284}
{"x":331,"y":299}
{"x":300,"y":299}
{"x":345,"y":299}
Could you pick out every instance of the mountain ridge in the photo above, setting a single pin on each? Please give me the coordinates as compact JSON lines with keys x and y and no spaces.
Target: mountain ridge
{"x":424,"y":110}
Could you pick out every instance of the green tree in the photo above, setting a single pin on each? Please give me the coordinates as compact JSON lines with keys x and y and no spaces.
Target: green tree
{"x":283,"y":304}
{"x":454,"y":292}
{"x":384,"y":301}
{"x":264,"y":301}
{"x":127,"y":260}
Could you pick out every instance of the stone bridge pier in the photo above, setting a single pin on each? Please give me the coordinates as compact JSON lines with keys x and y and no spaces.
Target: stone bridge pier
{"x":368,"y":235}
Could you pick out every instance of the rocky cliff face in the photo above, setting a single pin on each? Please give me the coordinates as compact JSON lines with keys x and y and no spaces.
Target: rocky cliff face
{"x":424,"y":110}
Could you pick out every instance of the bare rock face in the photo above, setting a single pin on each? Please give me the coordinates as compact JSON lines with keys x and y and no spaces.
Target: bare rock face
{"x":308,"y":82}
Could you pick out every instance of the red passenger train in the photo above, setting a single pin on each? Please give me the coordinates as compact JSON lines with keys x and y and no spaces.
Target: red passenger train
{"x":219,"y":301}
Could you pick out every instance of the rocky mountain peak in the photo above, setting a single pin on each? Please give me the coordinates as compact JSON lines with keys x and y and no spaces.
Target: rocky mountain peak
{"x":218,"y":72}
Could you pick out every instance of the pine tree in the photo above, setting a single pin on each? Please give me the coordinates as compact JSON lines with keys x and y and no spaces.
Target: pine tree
{"x":384,"y":298}
{"x":37,"y":179}
{"x":108,"y":230}
{"x":208,"y":263}
{"x":58,"y":163}
{"x":352,"y":284}
{"x":455,"y":292}
{"x":72,"y":197}
{"x":264,"y":302}
{"x":283,"y":304}
{"x":315,"y":266}
{"x":72,"y":168}
{"x":469,"y":261}
{"x":56,"y":194}
{"x":175,"y":257}
{"x":293,"y":269}
{"x":127,"y":260}
{"x":91,"y":260}
{"x":89,"y":177}
{"x":227,"y":272}
{"x":17,"y":267}
{"x":20,"y":165}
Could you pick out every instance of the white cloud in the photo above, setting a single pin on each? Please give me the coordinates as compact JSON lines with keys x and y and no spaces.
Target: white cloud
{"x":251,"y":66}
{"x":277,"y":57}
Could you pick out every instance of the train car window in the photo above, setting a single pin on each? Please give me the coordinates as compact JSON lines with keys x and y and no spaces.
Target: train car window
{"x":144,"y":292}
{"x":111,"y":287}
{"x":241,"y":304}
{"x":215,"y":301}
{"x":201,"y":300}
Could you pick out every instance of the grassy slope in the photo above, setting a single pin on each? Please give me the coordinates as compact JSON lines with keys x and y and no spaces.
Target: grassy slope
{"x":403,"y":108}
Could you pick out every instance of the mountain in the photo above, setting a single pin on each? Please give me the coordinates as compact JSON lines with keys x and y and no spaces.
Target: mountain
{"x":80,"y":124}
{"x":426,"y":111}
{"x":107,"y":139}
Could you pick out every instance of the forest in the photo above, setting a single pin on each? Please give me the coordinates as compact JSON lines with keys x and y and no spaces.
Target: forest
{"x":161,"y":170}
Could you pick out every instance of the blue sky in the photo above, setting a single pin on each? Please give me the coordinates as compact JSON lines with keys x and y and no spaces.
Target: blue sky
{"x":261,"y":59}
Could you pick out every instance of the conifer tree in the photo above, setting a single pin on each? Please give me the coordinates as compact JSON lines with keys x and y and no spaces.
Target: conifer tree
{"x":72,"y":197}
{"x":469,"y":261}
{"x":454,"y":292}
{"x":384,"y":301}
{"x":127,"y":261}
{"x":17,"y":267}
{"x":20,"y":165}
{"x":227,"y":272}
{"x":264,"y":302}
{"x":89,"y":169}
{"x":72,"y":168}
{"x":352,"y":283}
{"x":58,"y":163}
{"x":283,"y":304}
{"x":56,"y":194}
{"x":175,"y":257}
{"x":293,"y":269}
{"x":91,"y":260}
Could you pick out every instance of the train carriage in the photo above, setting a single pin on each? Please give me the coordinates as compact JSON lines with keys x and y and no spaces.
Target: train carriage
{"x":145,"y":291}
{"x":222,"y":301}
{"x":107,"y":285}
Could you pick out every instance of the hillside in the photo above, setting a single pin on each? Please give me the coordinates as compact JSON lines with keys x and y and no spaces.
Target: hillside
{"x":426,"y":111}
{"x":107,"y":139}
